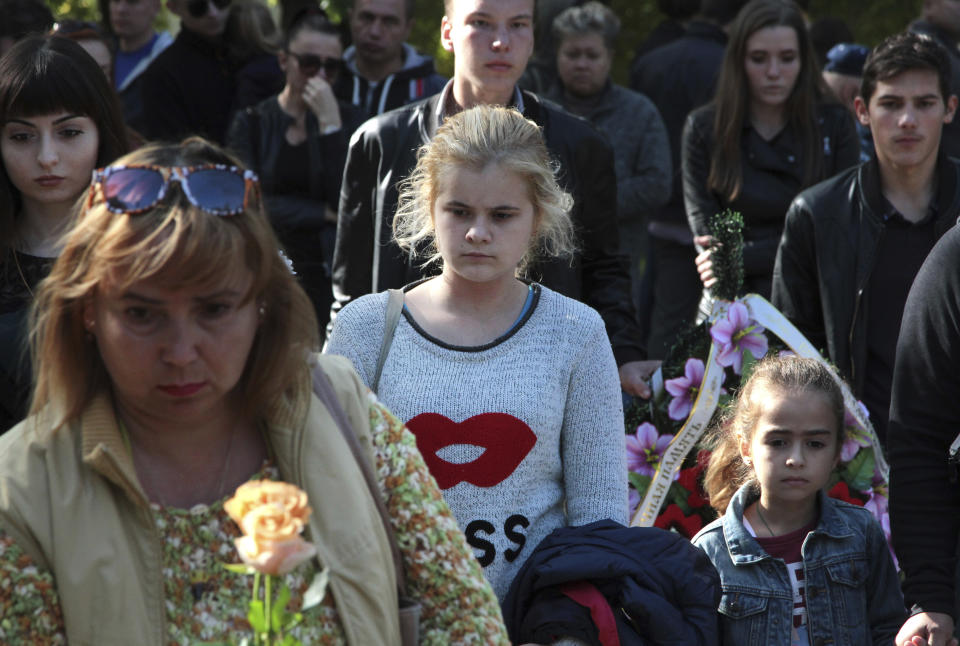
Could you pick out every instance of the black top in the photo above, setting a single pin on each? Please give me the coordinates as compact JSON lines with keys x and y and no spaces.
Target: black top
{"x":188,"y":90}
{"x":293,"y":166}
{"x":924,"y":420}
{"x":15,"y":298}
{"x":20,"y":274}
{"x":679,"y":77}
{"x":901,"y":250}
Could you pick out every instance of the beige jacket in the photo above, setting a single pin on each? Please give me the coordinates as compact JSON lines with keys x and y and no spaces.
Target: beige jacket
{"x":72,"y":501}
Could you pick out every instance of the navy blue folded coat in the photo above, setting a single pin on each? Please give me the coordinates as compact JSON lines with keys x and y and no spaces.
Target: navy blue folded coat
{"x":662,"y":590}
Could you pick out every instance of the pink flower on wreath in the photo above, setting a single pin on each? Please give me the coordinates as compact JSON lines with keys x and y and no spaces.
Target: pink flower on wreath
{"x":684,"y":389}
{"x":853,"y":439}
{"x":633,"y":501}
{"x":879,"y":507}
{"x":645,"y":448}
{"x":735,"y":333}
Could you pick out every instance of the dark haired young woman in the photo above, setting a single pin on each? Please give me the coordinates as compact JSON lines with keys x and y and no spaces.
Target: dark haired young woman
{"x":60,"y":120}
{"x":768,"y":133}
{"x":297,"y":142}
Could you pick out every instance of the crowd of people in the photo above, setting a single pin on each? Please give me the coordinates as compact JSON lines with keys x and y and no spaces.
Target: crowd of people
{"x":274,"y":247}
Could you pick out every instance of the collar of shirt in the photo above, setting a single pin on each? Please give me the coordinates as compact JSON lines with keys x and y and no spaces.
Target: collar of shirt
{"x":446,"y":99}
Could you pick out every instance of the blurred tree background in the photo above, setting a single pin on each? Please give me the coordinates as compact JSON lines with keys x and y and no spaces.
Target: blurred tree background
{"x":870,"y":21}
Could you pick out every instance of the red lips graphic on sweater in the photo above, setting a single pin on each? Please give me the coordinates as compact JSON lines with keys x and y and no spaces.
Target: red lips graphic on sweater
{"x":507,"y":441}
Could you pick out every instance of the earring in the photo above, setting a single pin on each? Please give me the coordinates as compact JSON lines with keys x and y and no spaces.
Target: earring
{"x":262,"y":311}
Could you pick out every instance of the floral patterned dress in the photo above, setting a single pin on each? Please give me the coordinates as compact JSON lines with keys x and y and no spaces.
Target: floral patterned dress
{"x":205,"y":602}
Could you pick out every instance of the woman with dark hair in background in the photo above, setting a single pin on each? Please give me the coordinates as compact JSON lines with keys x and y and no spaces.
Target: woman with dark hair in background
{"x":767,"y":134}
{"x":60,"y":119}
{"x":297,"y":142}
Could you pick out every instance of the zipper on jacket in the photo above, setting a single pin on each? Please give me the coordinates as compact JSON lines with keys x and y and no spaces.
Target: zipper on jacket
{"x":856,"y":311}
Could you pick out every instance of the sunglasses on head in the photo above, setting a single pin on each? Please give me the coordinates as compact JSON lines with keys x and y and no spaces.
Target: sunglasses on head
{"x":215,"y":188}
{"x":199,"y":8}
{"x":310,"y":64}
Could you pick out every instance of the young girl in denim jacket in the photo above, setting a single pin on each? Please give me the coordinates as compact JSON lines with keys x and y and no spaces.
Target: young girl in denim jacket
{"x":797,"y":568}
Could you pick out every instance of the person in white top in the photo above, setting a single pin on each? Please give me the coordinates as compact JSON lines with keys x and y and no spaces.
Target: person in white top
{"x":510,"y":388}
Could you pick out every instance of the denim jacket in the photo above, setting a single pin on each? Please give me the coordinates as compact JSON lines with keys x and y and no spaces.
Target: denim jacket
{"x":851,"y":585}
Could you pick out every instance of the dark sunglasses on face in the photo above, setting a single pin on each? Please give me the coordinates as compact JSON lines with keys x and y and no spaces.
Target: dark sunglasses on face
{"x":199,"y":8}
{"x":310,"y":64}
{"x":215,"y":188}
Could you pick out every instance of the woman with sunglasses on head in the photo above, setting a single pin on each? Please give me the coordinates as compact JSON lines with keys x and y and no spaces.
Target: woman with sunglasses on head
{"x":297,"y":142}
{"x":511,"y":388}
{"x":768,"y":133}
{"x":59,"y":119}
{"x":171,"y":347}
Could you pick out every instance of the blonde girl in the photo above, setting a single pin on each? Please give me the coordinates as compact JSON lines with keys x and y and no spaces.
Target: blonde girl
{"x":510,"y":388}
{"x":796,"y":566}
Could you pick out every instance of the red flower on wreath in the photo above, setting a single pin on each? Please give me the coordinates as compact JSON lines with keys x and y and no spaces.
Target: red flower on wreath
{"x":841,"y":491}
{"x":673,"y":518}
{"x":689,"y":479}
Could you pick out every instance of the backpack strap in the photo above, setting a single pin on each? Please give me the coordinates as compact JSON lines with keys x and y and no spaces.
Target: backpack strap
{"x":390,"y":321}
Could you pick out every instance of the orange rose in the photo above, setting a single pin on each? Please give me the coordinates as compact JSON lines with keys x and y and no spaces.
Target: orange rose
{"x":260,"y":492}
{"x":274,"y":557}
{"x":272,"y":515}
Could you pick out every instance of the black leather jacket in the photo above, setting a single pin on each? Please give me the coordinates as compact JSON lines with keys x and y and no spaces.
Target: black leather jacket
{"x":383,"y":152}
{"x":772,"y":174}
{"x":827,"y":254}
{"x":256,"y":135}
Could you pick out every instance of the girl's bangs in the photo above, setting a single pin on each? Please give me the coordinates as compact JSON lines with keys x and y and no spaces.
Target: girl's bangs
{"x":48,"y":89}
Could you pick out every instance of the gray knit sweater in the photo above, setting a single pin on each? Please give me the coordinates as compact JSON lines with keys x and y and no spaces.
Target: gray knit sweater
{"x":524,"y":434}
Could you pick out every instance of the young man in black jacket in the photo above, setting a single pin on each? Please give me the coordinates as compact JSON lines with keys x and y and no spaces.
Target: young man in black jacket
{"x":492,"y":41}
{"x":852,"y":244}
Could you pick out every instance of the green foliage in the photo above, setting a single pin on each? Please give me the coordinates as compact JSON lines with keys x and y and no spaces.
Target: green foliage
{"x":727,"y":256}
{"x":859,"y":472}
{"x":692,"y":341}
{"x":257,"y":616}
{"x":639,"y":481}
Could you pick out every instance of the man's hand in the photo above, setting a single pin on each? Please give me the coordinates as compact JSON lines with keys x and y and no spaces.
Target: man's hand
{"x":704,"y":261}
{"x":633,"y":376}
{"x":927,"y":629}
{"x":318,"y":95}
